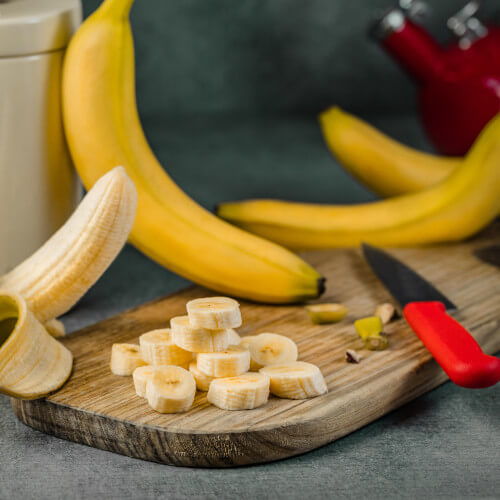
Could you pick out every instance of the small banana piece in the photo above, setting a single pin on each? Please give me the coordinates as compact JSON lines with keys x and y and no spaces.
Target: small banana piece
{"x":202,"y":381}
{"x":214,"y":313}
{"x":125,"y":358}
{"x":245,"y":342}
{"x":297,"y":380}
{"x":55,"y":327}
{"x":245,"y":392}
{"x":272,"y":349}
{"x":234,"y":338}
{"x":327,"y":313}
{"x":55,"y":277}
{"x":141,"y":376}
{"x":158,"y":348}
{"x":170,"y":389}
{"x":452,"y":210}
{"x":383,"y":165}
{"x":385,"y":312}
{"x":32,"y":362}
{"x":234,"y":361}
{"x":196,"y":339}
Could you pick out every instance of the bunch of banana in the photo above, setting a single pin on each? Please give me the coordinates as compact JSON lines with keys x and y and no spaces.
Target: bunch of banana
{"x":455,"y":208}
{"x":103,"y":129}
{"x":382,"y":164}
{"x":32,"y":362}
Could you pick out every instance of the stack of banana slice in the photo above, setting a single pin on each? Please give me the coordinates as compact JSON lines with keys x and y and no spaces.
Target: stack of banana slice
{"x":203,"y":351}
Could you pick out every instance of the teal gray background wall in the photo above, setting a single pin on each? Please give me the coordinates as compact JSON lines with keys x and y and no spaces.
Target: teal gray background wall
{"x":269,"y":56}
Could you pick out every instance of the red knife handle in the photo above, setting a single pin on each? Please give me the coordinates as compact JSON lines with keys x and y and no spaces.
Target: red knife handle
{"x":452,"y":345}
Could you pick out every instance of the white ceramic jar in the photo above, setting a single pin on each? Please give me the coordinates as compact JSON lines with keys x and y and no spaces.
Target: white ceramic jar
{"x":38,"y":185}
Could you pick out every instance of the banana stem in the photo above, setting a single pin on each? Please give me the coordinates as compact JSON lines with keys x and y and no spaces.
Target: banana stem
{"x":116,"y":8}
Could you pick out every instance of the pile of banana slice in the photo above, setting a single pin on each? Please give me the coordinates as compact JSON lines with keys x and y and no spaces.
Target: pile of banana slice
{"x":32,"y":362}
{"x":203,"y":351}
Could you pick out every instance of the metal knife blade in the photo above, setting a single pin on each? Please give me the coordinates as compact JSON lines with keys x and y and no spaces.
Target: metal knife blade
{"x":405,"y":285}
{"x":490,"y":255}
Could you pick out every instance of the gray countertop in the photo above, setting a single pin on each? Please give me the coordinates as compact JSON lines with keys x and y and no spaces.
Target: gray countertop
{"x":444,"y":444}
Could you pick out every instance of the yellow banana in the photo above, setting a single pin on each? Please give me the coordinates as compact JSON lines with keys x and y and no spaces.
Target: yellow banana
{"x":103,"y":130}
{"x":456,"y":208}
{"x":382,"y":164}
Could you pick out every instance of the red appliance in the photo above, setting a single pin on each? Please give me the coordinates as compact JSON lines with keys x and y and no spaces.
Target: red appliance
{"x":458,"y":85}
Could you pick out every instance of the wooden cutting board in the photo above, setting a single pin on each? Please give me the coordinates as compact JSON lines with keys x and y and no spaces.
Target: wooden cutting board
{"x":101,"y":410}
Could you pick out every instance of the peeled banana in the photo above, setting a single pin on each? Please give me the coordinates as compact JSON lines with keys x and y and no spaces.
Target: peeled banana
{"x":234,"y":361}
{"x":245,"y":392}
{"x":103,"y":129}
{"x":297,"y":380}
{"x":170,"y":389}
{"x":55,"y":327}
{"x":141,"y":376}
{"x":454,"y":209}
{"x":195,"y":339}
{"x":55,"y":277}
{"x":214,"y":313}
{"x":202,"y":381}
{"x":32,"y":362}
{"x":271,"y":349}
{"x":380,"y":163}
{"x":158,"y":348}
{"x":125,"y":358}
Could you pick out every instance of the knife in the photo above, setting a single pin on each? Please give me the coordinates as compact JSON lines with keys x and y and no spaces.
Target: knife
{"x":490,"y":255}
{"x":425,"y":310}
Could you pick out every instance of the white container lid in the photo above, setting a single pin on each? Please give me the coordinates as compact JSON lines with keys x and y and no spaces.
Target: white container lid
{"x":37,"y":26}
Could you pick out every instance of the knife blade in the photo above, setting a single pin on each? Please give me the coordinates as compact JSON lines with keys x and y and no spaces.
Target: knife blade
{"x":425,"y":309}
{"x":490,"y":255}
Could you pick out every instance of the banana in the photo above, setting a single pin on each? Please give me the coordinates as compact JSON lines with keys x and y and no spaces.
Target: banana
{"x":196,"y":339}
{"x":385,"y":312}
{"x":55,"y":277}
{"x":234,"y":361}
{"x":234,"y":338}
{"x":202,"y":381}
{"x":245,"y":392}
{"x":272,"y":349}
{"x":245,"y":342}
{"x":458,"y":207}
{"x":380,"y":163}
{"x":158,"y":348}
{"x":327,"y":313}
{"x":32,"y":362}
{"x":214,"y":313}
{"x":125,"y":358}
{"x":55,"y":328}
{"x":103,"y":129}
{"x":297,"y":380}
{"x":141,"y":375}
{"x":170,"y":389}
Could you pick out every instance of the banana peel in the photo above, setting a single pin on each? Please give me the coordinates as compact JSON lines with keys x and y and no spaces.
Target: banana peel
{"x":452,"y":210}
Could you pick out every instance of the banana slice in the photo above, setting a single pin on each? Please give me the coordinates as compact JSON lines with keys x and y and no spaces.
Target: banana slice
{"x":125,"y":358}
{"x":245,"y":392}
{"x":327,"y":313}
{"x":234,"y":361}
{"x":272,"y":349}
{"x":245,"y":342}
{"x":297,"y":380}
{"x":196,"y":339}
{"x":234,"y":338}
{"x":55,"y":328}
{"x":32,"y":362}
{"x":202,"y":380}
{"x":141,"y":376}
{"x":158,"y":348}
{"x":214,"y":313}
{"x":170,"y":389}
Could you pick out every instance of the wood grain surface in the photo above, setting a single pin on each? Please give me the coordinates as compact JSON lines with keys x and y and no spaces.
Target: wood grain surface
{"x":100,"y":409}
